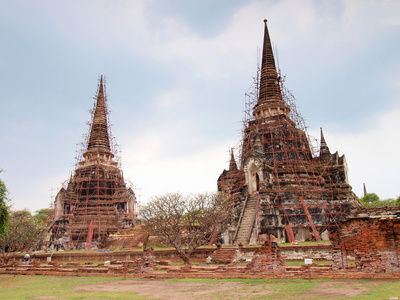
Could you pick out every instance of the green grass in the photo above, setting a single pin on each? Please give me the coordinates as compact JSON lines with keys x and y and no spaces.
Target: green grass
{"x":40,"y":287}
{"x":255,"y":288}
{"x":301,"y":262}
{"x":176,"y":263}
{"x":27,"y":287}
{"x":307,"y":243}
{"x":88,"y":262}
{"x":384,"y":289}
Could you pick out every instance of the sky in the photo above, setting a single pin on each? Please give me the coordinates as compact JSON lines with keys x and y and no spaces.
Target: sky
{"x":176,"y":74}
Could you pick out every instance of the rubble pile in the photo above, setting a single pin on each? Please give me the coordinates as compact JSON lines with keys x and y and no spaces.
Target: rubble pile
{"x":267,"y":259}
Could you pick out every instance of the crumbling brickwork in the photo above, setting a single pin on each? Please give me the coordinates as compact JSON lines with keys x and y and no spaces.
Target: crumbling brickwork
{"x":148,"y":261}
{"x":267,"y":258}
{"x":372,"y":237}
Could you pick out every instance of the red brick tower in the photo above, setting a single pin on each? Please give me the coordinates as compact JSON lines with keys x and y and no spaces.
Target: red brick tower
{"x":282,"y":188}
{"x":96,"y":201}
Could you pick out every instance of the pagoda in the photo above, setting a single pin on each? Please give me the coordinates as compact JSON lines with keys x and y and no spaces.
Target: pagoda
{"x":96,"y":201}
{"x":281,"y":187}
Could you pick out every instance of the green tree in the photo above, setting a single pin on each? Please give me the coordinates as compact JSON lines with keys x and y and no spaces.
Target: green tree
{"x":4,"y":206}
{"x":369,"y":198}
{"x":22,"y":233}
{"x":44,"y":215}
{"x":383,"y":203}
{"x":187,"y":222}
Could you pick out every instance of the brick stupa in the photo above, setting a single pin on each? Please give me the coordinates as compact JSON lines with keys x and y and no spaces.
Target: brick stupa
{"x":280,"y":186}
{"x":96,"y":201}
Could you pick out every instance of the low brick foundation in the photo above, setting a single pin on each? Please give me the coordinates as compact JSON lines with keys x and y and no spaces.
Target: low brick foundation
{"x":131,"y":270}
{"x":289,"y":252}
{"x":130,"y":264}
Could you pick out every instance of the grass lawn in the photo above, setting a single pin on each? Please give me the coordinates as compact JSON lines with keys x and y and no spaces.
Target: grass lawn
{"x":301,"y":262}
{"x":54,"y":287}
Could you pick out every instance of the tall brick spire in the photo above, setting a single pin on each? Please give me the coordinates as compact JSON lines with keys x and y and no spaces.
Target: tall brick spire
{"x":270,"y":101}
{"x":97,"y":201}
{"x":99,"y":141}
{"x":269,"y":82}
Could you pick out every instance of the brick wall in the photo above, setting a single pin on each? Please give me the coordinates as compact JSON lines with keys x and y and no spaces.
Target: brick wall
{"x":372,"y":237}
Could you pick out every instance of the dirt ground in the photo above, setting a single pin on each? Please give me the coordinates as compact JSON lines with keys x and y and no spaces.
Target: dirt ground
{"x":163,"y":290}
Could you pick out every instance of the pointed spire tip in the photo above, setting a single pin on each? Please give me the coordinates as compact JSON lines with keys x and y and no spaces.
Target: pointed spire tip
{"x":269,"y":89}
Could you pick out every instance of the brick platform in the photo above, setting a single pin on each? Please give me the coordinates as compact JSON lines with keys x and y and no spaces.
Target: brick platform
{"x":289,"y":252}
{"x":131,"y":270}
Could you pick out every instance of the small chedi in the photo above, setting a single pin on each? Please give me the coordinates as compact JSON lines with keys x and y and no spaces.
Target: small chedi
{"x":281,"y":187}
{"x":96,"y":202}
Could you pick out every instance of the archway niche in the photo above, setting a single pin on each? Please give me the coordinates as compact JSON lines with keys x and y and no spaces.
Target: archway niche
{"x":255,"y":177}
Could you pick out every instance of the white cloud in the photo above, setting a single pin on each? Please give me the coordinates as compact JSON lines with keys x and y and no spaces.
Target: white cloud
{"x":372,"y":155}
{"x":193,"y":173}
{"x":37,"y":193}
{"x":101,"y":23}
{"x":372,"y":12}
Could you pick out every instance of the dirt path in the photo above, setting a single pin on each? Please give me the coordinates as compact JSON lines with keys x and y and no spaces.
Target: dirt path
{"x":338,"y":289}
{"x":163,"y":290}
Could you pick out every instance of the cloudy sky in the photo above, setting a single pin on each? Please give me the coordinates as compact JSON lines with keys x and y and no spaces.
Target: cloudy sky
{"x":176,"y":74}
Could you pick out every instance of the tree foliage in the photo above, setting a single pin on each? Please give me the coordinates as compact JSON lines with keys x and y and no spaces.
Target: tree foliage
{"x":22,"y":233}
{"x":4,"y":207}
{"x":371,"y":200}
{"x":187,"y":222}
{"x":44,"y":215}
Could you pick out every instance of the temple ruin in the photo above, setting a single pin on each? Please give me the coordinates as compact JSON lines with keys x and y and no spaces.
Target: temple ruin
{"x":282,"y":186}
{"x":267,"y":258}
{"x":371,"y":238}
{"x":96,"y":201}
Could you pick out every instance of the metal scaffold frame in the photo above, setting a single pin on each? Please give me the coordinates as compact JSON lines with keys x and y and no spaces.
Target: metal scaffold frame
{"x":95,"y":201}
{"x":303,"y":187}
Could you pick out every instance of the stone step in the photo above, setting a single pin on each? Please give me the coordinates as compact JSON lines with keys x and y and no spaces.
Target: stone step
{"x":243,"y":224}
{"x":247,"y":220}
{"x":248,"y":216}
{"x":243,"y":235}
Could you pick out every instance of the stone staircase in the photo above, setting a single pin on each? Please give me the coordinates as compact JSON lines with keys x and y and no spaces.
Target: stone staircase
{"x":246,"y":223}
